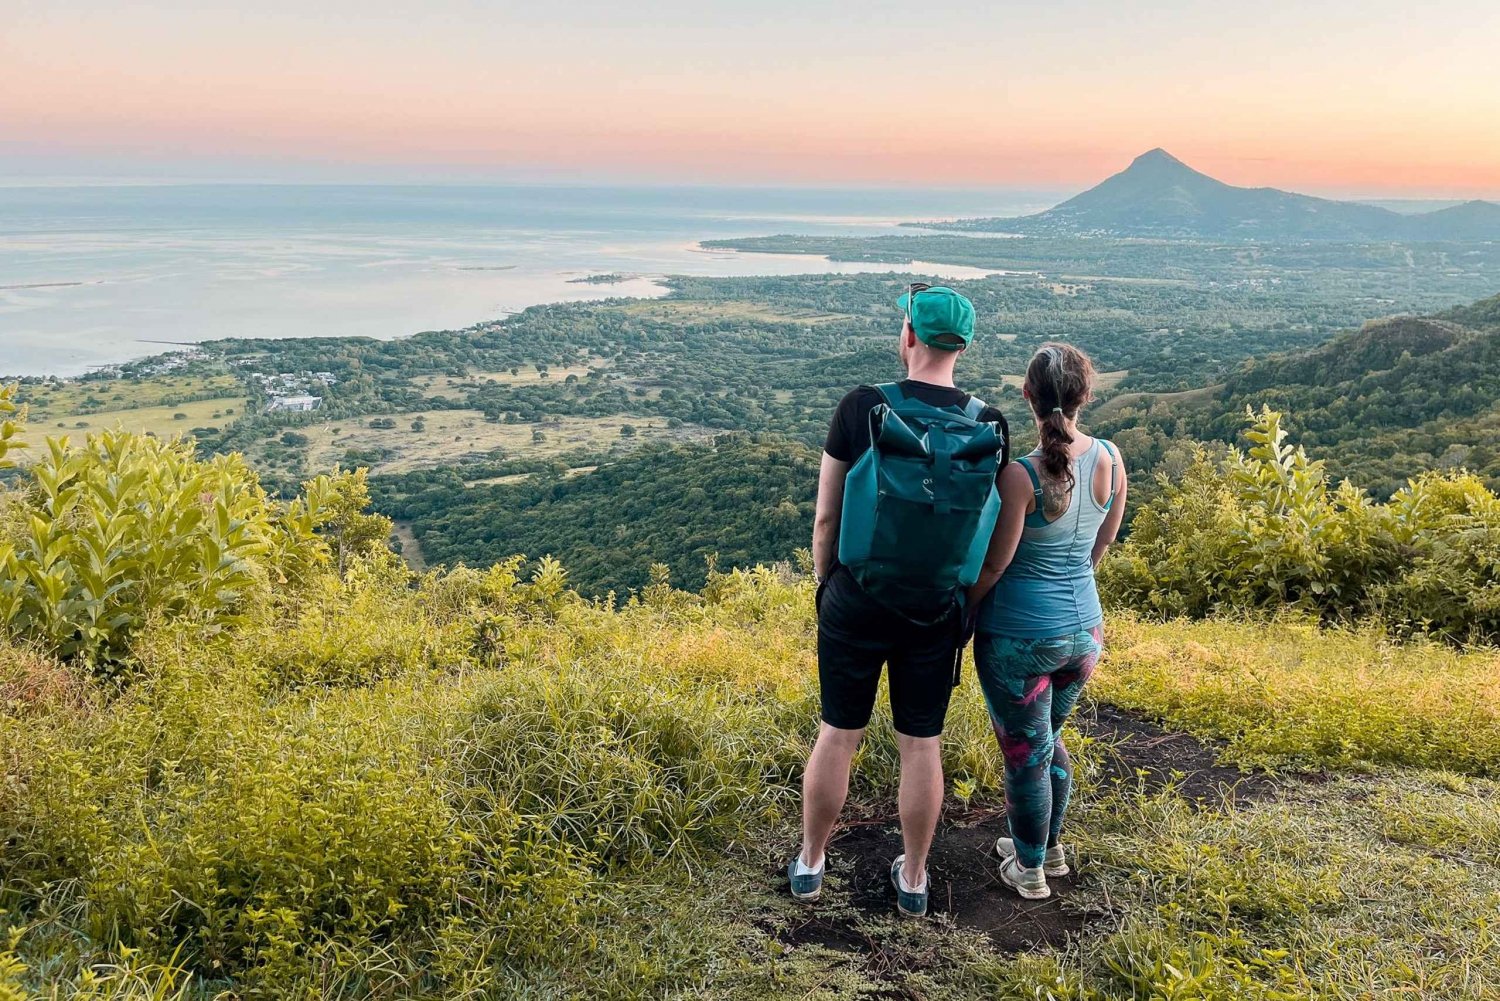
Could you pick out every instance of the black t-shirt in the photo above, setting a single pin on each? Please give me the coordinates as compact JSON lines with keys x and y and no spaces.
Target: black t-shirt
{"x":849,"y":433}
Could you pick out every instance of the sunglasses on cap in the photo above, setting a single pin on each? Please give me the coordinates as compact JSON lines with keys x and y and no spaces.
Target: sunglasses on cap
{"x":911,"y":294}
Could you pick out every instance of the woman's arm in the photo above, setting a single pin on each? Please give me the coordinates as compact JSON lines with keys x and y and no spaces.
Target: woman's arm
{"x":1016,"y":498}
{"x":1111,"y":526}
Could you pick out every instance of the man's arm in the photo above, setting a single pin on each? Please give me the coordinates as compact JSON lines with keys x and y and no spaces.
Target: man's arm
{"x":826,"y":520}
{"x":1016,"y":495}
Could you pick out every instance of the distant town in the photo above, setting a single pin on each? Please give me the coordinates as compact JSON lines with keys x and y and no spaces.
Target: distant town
{"x":290,"y":392}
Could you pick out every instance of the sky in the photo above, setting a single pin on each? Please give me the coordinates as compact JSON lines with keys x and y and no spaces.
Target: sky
{"x":1376,"y":98}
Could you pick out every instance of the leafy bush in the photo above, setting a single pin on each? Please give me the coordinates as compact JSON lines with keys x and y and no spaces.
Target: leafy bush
{"x":384,"y":784}
{"x":12,"y":419}
{"x":107,"y":536}
{"x":1263,"y":531}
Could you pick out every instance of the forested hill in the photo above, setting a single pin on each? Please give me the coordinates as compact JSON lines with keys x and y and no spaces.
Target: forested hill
{"x":747,"y":499}
{"x":1379,"y":403}
{"x":1160,"y":196}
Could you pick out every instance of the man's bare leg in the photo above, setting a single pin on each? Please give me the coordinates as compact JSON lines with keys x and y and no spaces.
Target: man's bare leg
{"x":921,"y":802}
{"x":825,"y":787}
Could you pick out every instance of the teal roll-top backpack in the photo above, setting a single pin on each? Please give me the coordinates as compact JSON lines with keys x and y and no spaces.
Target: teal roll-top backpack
{"x":920,"y":504}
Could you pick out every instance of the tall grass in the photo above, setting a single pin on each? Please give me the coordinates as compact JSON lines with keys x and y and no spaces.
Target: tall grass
{"x":433,"y":790}
{"x":1289,"y":693}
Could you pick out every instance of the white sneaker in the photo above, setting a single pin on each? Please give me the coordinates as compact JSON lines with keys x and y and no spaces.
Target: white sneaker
{"x":1029,"y":883}
{"x":1054,"y":864}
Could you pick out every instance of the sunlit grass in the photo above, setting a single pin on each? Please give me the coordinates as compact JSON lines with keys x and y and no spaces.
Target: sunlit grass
{"x":479,"y":787}
{"x":1292,"y":693}
{"x":71,"y":399}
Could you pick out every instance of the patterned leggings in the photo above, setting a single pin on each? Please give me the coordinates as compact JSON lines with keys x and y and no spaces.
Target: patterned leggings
{"x":1032,"y":687}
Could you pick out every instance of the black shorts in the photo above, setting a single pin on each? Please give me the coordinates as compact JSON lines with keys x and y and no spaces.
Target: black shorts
{"x":856,"y":637}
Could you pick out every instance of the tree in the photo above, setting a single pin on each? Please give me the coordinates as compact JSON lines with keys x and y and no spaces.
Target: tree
{"x":353,"y":532}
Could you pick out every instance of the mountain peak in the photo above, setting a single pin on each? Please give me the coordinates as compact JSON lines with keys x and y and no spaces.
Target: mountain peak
{"x":1160,"y":196}
{"x":1154,"y":156}
{"x":1157,"y":166}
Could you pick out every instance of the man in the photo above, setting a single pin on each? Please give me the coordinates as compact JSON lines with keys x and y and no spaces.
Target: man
{"x":858,"y":635}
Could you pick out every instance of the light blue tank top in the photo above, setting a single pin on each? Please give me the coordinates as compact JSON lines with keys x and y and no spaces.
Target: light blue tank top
{"x":1048,"y":589}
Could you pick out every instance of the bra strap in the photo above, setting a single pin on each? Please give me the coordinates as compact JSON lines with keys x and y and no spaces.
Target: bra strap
{"x":1113,"y":461}
{"x":1036,"y":481}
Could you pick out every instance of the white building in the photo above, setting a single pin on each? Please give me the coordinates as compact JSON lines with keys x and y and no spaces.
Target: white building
{"x":294,"y":404}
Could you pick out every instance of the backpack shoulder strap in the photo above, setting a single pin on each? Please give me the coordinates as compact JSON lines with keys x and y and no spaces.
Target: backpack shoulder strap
{"x":974,"y":408}
{"x":891,"y":393}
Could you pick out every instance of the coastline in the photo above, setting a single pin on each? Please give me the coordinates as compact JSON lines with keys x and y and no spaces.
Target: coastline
{"x":622,"y":284}
{"x":92,"y":271}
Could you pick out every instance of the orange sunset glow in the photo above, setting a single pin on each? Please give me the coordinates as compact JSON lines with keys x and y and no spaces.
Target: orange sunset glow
{"x":1345,"y":99}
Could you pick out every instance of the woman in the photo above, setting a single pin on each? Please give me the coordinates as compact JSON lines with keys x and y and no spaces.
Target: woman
{"x":1040,"y":626}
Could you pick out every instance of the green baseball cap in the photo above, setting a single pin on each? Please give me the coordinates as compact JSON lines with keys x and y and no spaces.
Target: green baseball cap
{"x":940,"y":317}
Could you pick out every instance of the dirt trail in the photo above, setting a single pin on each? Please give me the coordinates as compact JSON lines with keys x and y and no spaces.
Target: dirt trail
{"x":1128,"y":749}
{"x":411,"y":549}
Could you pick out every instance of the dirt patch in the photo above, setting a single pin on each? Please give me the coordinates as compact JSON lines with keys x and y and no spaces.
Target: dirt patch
{"x":1124,"y":749}
{"x":966,"y":887}
{"x":1128,"y":749}
{"x":411,"y":549}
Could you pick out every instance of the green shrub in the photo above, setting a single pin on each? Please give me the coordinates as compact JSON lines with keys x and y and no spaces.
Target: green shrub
{"x":1263,"y":531}
{"x":11,"y":968}
{"x":108,"y":536}
{"x":293,"y":845}
{"x":631,"y":769}
{"x":290,"y":844}
{"x":12,"y":420}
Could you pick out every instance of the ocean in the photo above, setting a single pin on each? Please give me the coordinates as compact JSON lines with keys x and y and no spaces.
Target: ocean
{"x":96,"y":275}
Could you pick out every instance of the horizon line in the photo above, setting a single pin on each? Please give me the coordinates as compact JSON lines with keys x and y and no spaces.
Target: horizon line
{"x":58,"y":182}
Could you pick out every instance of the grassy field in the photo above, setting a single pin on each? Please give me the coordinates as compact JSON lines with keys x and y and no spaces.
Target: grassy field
{"x":1104,"y":380}
{"x":450,"y":387}
{"x":411,"y":549}
{"x":1297,"y":695}
{"x":687,"y":311}
{"x":449,"y":435}
{"x":595,"y":803}
{"x":144,"y":405}
{"x":1117,"y":403}
{"x":157,"y":420}
{"x":73,"y":399}
{"x":518,"y":477}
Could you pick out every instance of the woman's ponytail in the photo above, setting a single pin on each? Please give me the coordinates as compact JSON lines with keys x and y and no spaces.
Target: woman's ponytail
{"x":1059,"y":381}
{"x":1057,"y":463}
